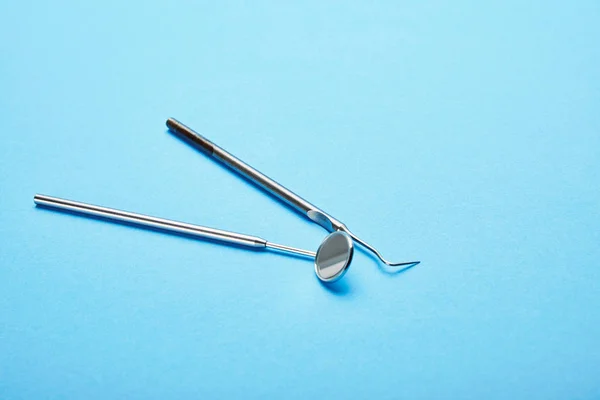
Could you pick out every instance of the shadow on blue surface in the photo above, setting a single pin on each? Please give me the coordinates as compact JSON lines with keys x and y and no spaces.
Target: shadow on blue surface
{"x":338,"y":288}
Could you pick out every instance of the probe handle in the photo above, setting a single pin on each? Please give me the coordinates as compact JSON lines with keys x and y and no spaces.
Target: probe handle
{"x":152,"y":222}
{"x":272,"y":187}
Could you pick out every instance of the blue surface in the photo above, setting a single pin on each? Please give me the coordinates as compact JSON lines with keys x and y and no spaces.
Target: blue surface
{"x":463,"y":134}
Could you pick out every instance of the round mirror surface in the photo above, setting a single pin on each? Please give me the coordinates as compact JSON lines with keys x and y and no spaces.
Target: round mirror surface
{"x":334,"y":256}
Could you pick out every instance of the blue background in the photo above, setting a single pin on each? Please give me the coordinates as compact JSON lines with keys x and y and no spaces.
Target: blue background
{"x":464,"y":134}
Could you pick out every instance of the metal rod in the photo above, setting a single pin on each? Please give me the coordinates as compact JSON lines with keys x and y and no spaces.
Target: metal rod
{"x":260,"y":179}
{"x":291,"y":249}
{"x":165,"y":224}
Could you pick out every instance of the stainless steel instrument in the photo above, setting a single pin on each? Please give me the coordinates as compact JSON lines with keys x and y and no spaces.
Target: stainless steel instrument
{"x":332,"y":259}
{"x":166,"y":225}
{"x":277,"y":190}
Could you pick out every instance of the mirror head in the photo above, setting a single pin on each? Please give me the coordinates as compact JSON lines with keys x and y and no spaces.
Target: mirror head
{"x":334,"y":256}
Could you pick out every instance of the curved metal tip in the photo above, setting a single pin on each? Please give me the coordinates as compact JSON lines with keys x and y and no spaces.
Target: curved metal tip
{"x":404,"y":264}
{"x":408,"y":264}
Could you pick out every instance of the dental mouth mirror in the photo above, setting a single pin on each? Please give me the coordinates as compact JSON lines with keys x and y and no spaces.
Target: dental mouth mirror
{"x":275,"y":189}
{"x":332,"y":259}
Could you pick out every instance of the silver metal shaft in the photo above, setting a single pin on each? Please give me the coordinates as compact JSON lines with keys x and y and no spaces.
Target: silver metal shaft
{"x":165,"y":224}
{"x":274,"y":188}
